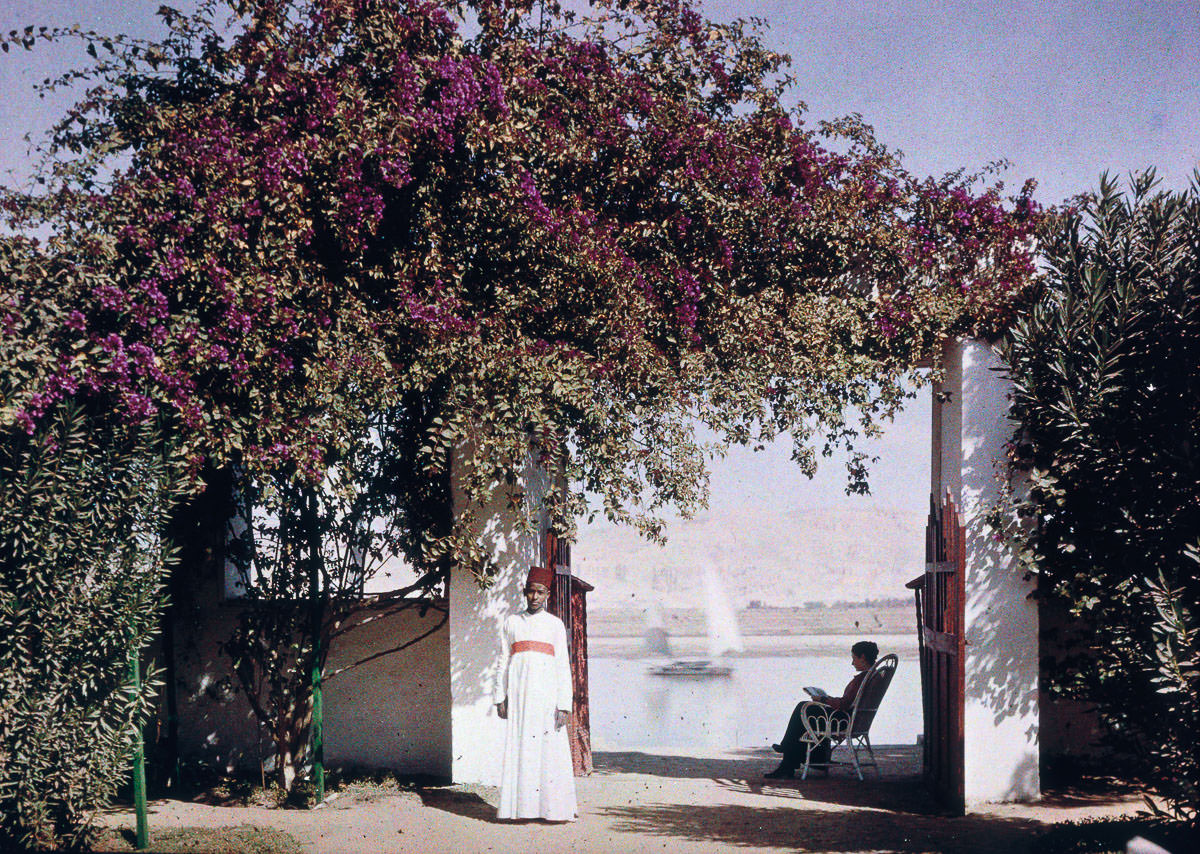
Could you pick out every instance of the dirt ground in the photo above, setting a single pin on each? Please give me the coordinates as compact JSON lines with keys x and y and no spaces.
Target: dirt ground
{"x":672,"y":802}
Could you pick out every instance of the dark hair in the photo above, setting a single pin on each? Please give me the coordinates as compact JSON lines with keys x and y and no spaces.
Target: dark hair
{"x":866,"y":649}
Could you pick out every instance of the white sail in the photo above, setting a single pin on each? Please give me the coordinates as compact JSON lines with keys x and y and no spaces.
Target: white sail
{"x":655,"y":641}
{"x":724,"y":636}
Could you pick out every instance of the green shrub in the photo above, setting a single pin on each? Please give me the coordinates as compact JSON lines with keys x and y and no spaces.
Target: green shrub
{"x":1106,"y":392}
{"x":82,"y":504}
{"x":1103,"y":835}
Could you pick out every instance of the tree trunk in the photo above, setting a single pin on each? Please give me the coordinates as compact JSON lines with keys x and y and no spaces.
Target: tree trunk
{"x":291,"y":740}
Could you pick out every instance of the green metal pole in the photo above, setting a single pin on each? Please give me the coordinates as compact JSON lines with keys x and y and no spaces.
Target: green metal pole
{"x":168,"y":644}
{"x":316,"y":603}
{"x":318,"y":732}
{"x":139,"y":758}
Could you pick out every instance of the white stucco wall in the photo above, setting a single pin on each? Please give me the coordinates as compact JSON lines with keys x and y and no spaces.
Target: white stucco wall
{"x":392,"y":712}
{"x":1001,"y":723}
{"x":476,"y":615}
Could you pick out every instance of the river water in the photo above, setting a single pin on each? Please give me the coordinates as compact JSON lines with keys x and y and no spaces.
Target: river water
{"x":633,"y":710}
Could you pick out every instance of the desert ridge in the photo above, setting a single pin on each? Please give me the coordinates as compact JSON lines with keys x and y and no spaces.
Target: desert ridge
{"x":783,"y":558}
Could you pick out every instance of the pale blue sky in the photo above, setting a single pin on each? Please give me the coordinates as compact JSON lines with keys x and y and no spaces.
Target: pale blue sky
{"x":1063,"y":89}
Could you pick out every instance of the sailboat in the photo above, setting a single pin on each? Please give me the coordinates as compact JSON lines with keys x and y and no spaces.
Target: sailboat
{"x":723,"y":636}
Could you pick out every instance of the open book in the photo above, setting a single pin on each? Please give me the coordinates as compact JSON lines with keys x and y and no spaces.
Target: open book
{"x":816,"y":693}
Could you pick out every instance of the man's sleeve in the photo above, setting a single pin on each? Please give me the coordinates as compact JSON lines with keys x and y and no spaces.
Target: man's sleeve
{"x":500,"y":687}
{"x":564,"y":690}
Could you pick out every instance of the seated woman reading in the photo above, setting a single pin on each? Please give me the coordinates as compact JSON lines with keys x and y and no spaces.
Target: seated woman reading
{"x":862,"y":656}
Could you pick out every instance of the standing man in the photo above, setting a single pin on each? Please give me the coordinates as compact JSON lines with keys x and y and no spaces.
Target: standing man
{"x":533,"y":694}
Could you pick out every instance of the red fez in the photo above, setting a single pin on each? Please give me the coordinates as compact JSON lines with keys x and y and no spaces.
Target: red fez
{"x":540,"y":575}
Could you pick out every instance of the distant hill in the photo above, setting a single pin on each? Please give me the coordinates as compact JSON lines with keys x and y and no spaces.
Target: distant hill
{"x":783,"y":558}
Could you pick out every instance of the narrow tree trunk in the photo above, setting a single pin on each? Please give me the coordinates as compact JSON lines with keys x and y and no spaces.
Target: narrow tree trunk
{"x":291,"y":740}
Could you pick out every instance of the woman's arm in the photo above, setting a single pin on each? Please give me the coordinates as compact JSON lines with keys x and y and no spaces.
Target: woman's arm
{"x":844,"y":702}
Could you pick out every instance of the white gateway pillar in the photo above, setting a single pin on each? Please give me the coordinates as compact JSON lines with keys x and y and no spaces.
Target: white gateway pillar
{"x":1000,"y":721}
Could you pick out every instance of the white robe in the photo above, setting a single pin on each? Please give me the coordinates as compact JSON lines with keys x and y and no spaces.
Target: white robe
{"x":537,"y":780}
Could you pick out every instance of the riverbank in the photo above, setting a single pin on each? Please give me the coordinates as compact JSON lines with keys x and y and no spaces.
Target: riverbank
{"x":860,"y":619}
{"x":791,"y":646}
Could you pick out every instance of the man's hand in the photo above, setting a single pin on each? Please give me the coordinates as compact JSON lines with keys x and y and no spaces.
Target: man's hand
{"x":560,"y":718}
{"x":502,"y":709}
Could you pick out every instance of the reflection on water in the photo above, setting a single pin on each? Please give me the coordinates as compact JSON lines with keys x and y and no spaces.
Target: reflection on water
{"x":669,"y":716}
{"x":632,"y":710}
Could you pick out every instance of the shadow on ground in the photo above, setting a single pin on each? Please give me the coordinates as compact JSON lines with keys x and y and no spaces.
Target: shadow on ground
{"x":895,"y":761}
{"x":464,"y":803}
{"x":824,"y":829}
{"x":891,"y":812}
{"x":897,"y":786}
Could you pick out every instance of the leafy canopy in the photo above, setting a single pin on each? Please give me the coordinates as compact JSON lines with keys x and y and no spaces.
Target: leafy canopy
{"x":530,"y":229}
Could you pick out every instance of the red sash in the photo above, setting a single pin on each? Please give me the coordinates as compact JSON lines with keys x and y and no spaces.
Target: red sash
{"x":532,"y":646}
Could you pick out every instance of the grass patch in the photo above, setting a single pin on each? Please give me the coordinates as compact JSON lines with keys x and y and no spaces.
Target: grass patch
{"x":350,"y":784}
{"x":243,"y":839}
{"x":366,"y":785}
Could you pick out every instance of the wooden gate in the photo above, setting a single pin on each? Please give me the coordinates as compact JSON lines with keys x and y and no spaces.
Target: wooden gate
{"x":940,"y":602}
{"x":568,"y":602}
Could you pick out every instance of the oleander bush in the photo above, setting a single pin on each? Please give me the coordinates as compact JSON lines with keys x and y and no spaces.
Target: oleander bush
{"x":1106,"y":374}
{"x":82,"y":502}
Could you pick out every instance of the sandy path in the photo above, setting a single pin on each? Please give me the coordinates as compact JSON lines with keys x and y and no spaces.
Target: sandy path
{"x":639,"y":802}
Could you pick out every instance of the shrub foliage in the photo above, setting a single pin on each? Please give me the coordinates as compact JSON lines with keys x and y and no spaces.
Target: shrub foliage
{"x":1106,"y":373}
{"x":81,"y":566}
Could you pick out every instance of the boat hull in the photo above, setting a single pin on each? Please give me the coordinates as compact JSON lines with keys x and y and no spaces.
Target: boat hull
{"x":691,"y":670}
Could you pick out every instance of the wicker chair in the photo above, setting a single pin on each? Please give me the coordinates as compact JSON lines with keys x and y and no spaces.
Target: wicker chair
{"x":821,"y":722}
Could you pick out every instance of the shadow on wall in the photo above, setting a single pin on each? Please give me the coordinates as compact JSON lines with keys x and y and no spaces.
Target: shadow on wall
{"x":1002,"y":633}
{"x":390,"y":712}
{"x":217,"y":728}
{"x":477,"y":615}
{"x":1025,"y":778}
{"x":391,"y":707}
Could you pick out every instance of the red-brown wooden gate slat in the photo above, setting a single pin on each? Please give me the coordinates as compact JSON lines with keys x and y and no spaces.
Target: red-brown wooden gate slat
{"x":940,"y":604}
{"x":568,"y":602}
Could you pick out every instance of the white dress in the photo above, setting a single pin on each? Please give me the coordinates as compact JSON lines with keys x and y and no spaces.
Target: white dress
{"x":537,"y":780}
